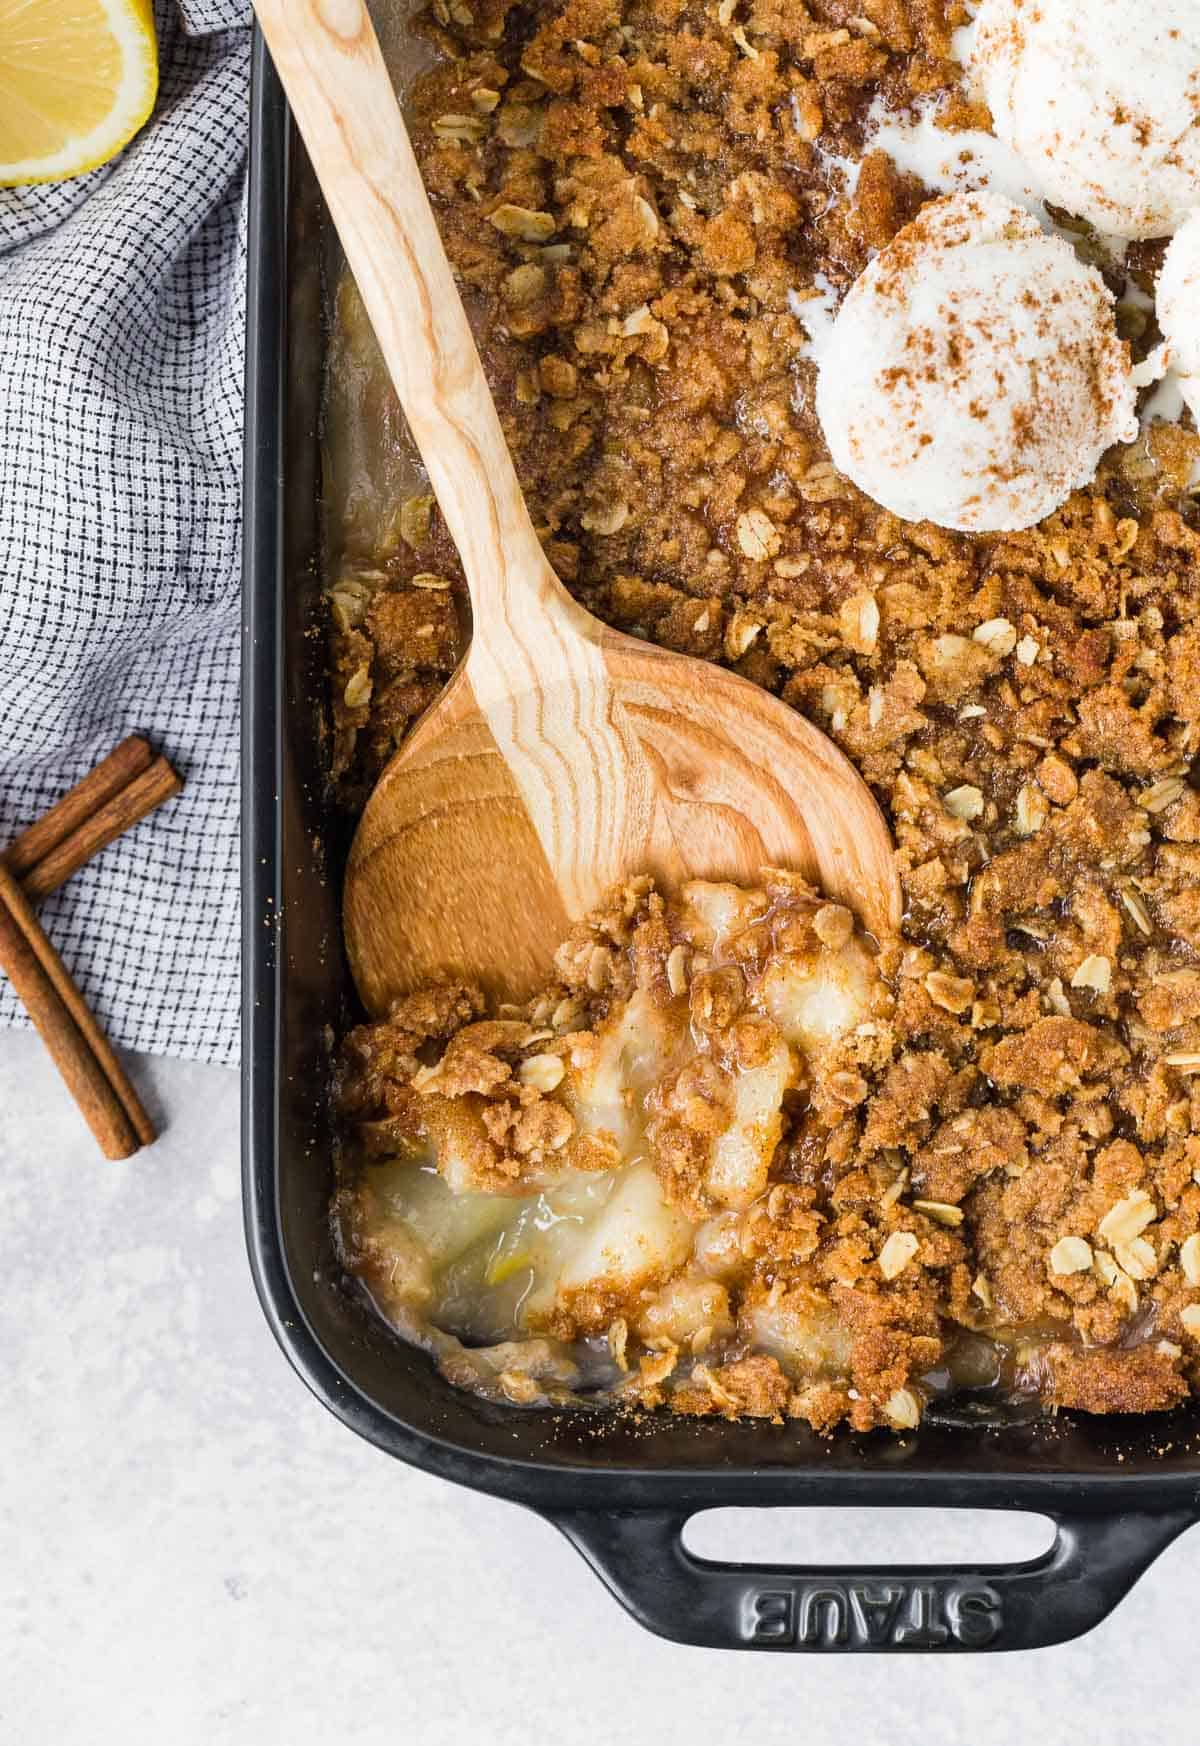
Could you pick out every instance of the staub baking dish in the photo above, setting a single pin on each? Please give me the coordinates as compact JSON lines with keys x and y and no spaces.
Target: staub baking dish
{"x":1118,"y":1490}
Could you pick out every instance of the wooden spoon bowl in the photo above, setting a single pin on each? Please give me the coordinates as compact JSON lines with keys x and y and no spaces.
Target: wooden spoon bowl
{"x":563,"y":756}
{"x":490,"y":832}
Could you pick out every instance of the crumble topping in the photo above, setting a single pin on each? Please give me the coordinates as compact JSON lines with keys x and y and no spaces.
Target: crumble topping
{"x":655,"y":1155}
{"x":1024,"y":707}
{"x":710,"y":1167}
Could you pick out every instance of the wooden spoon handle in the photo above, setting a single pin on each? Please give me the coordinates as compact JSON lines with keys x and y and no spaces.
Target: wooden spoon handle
{"x":328,"y":57}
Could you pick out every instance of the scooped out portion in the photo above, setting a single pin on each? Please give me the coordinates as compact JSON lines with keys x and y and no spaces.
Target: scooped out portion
{"x":704,"y":1171}
{"x":593,"y":1192}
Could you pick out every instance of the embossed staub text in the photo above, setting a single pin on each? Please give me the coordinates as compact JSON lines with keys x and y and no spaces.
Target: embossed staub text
{"x":888,"y":1614}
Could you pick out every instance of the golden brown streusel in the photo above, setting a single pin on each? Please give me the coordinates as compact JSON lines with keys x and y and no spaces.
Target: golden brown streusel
{"x":643,"y":191}
{"x":767,"y":1257}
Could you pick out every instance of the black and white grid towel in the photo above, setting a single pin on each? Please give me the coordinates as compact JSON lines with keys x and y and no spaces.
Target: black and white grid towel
{"x":122,"y":321}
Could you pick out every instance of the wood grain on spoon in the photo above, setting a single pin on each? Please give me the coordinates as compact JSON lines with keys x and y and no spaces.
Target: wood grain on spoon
{"x":563,"y":755}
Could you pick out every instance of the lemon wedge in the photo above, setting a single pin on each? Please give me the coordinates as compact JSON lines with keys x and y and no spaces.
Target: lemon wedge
{"x":77,"y":80}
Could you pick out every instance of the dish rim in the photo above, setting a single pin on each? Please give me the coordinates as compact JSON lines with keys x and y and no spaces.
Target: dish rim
{"x":588,"y":1500}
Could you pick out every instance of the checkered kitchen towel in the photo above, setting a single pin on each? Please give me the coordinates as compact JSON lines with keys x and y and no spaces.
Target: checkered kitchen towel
{"x":122,"y":320}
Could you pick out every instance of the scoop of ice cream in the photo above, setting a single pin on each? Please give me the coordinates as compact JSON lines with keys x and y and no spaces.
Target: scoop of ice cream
{"x":1101,"y":98}
{"x":974,"y":376}
{"x":1179,"y":309}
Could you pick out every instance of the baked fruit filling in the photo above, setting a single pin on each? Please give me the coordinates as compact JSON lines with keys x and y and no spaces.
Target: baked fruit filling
{"x":740,"y":1159}
{"x":701,"y":1169}
{"x":621,"y":1184}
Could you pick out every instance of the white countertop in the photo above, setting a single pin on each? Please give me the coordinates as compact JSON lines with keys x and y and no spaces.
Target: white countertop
{"x":194,"y":1552}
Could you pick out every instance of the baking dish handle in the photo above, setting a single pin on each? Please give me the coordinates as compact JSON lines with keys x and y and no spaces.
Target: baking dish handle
{"x":1092,"y":1564}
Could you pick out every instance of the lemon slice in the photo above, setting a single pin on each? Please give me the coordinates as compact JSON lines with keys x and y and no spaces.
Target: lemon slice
{"x":77,"y":80}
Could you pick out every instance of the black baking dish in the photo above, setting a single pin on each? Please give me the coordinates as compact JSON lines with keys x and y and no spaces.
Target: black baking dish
{"x":1119,"y":1490}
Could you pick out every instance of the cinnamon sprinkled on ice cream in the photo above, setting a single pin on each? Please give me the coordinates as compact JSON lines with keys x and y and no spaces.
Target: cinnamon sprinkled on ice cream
{"x":1101,"y":98}
{"x":1179,"y":309}
{"x":974,"y":376}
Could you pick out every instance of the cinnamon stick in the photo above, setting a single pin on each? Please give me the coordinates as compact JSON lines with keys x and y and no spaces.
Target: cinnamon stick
{"x":127,"y":807}
{"x":121,"y":790}
{"x":81,"y":1051}
{"x":79,"y":804}
{"x":81,"y":1072}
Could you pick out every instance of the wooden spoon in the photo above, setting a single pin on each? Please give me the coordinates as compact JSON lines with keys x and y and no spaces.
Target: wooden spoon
{"x":562,"y":755}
